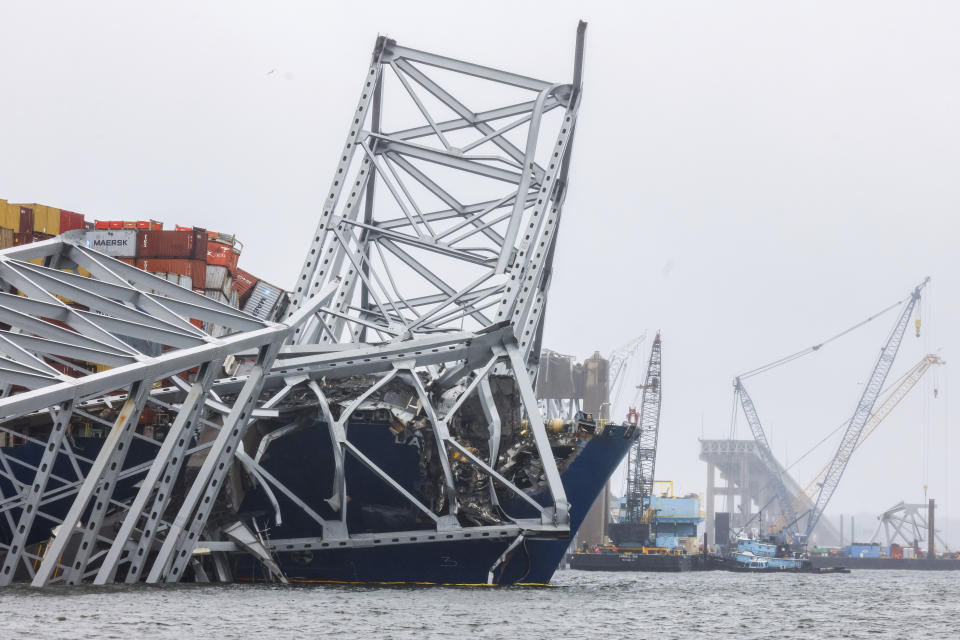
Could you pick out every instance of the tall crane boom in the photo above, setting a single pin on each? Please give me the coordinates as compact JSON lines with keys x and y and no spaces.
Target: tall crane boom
{"x":619,"y":361}
{"x":910,"y":379}
{"x":643,"y":454}
{"x":864,"y":408}
{"x":766,"y":455}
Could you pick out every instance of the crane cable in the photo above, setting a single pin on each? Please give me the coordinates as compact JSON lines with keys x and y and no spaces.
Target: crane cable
{"x":886,"y":390}
{"x":816,"y":347}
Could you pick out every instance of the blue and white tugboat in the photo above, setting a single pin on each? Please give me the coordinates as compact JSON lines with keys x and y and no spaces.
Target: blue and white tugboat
{"x":758,"y":556}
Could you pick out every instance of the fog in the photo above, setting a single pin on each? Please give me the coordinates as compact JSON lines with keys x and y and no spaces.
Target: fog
{"x":750,"y":178}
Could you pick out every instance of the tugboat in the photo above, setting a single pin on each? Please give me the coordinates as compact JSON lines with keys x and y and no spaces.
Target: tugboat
{"x":756,"y":556}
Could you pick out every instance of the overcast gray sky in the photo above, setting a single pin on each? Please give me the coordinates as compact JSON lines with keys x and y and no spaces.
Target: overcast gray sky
{"x":749,"y":177}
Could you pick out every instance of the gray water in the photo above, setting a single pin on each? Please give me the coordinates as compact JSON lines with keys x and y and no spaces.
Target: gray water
{"x":864,"y":604}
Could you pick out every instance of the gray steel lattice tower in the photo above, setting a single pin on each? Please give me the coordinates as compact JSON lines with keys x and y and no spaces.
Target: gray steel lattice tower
{"x":643,"y":454}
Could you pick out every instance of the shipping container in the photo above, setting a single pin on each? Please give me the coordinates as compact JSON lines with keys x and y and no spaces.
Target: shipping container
{"x":218,"y":296}
{"x":243,"y":282}
{"x":115,"y":224}
{"x":6,"y":238}
{"x":29,"y":238}
{"x":172,"y":244}
{"x":122,"y":243}
{"x":176,"y":278}
{"x":102,"y":224}
{"x":26,"y":219}
{"x":223,"y":238}
{"x":196,"y":269}
{"x":70,"y":220}
{"x":4,"y":213}
{"x":219,"y":278}
{"x":263,"y":301}
{"x":45,"y":219}
{"x":226,"y":255}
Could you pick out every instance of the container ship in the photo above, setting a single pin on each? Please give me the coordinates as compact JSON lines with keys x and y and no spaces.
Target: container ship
{"x":587,"y":451}
{"x":170,"y":416}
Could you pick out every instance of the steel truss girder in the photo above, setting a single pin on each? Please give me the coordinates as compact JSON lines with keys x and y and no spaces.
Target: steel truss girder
{"x":103,"y":478}
{"x":195,"y":509}
{"x":356,"y":247}
{"x":480,"y":355}
{"x":35,"y":491}
{"x":349,"y":291}
{"x":141,"y":327}
{"x":158,"y":483}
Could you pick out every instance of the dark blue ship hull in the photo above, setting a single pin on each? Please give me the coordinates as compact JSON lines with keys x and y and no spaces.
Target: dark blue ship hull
{"x":303,"y":462}
{"x":373,"y":507}
{"x":62,"y":476}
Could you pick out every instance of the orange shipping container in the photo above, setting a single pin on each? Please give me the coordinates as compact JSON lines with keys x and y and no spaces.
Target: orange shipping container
{"x":223,"y":255}
{"x":243,"y":282}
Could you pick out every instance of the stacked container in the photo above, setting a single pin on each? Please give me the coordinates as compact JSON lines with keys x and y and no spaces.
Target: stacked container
{"x":31,"y":219}
{"x":223,"y":255}
{"x":191,"y":257}
{"x":118,"y":244}
{"x":6,"y":229}
{"x":265,"y":301}
{"x":179,"y":253}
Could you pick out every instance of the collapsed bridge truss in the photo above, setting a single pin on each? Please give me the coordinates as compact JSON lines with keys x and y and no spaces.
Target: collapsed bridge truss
{"x":429,"y":269}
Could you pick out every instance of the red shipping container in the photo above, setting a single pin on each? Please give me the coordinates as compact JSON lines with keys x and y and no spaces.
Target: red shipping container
{"x":26,"y":220}
{"x":196,"y":269}
{"x":243,"y":283}
{"x":223,"y":255}
{"x":171,"y":244}
{"x":70,"y":220}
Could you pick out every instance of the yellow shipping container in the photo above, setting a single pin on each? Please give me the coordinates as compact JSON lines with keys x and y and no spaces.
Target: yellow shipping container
{"x":45,"y":219}
{"x":10,"y":216}
{"x":39,"y":217}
